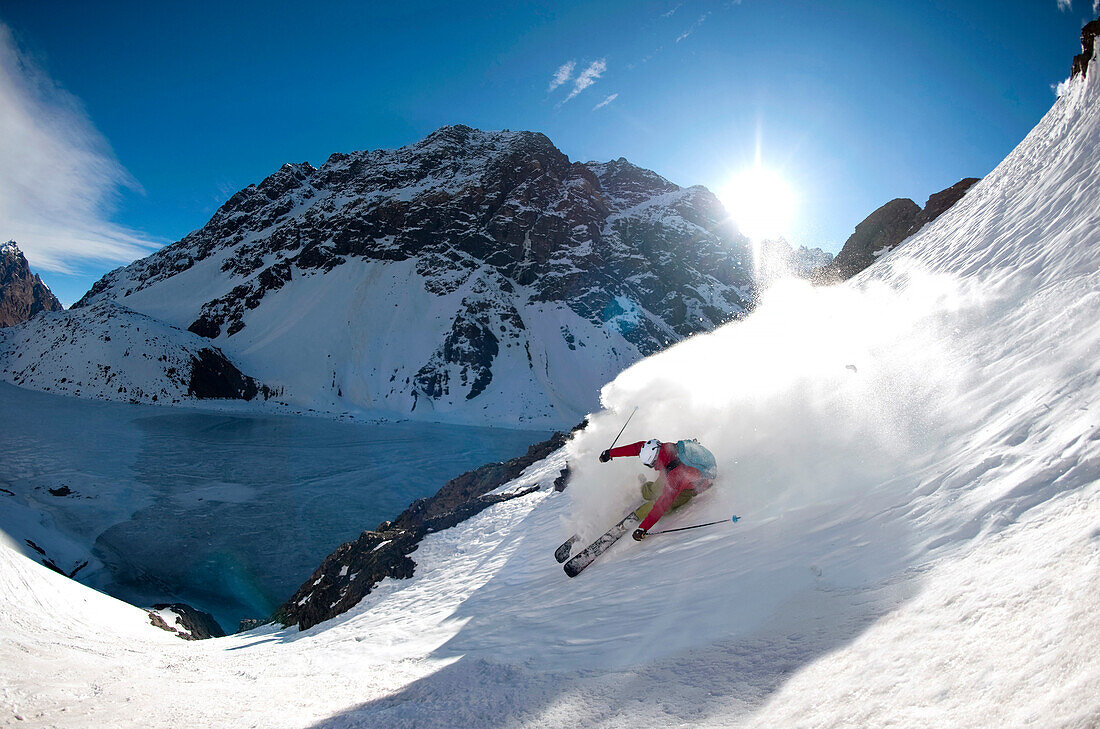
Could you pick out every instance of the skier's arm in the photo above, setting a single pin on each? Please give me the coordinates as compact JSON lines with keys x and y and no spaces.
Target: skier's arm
{"x":627,"y":450}
{"x":660,"y":506}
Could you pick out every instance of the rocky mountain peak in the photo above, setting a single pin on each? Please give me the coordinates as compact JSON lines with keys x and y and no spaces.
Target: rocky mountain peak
{"x":626,"y":184}
{"x":22,"y":293}
{"x":520,"y":259}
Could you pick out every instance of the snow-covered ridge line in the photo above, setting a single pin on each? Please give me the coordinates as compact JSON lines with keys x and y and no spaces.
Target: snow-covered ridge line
{"x":109,"y":352}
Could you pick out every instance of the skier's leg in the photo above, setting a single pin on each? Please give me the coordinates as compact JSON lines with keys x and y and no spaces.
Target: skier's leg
{"x":650,"y":491}
{"x":681,"y":498}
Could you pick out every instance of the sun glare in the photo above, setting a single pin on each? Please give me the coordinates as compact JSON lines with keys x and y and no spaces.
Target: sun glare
{"x":760,"y":202}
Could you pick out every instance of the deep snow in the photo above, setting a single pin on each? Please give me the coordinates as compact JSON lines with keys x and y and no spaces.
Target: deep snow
{"x":916,"y":459}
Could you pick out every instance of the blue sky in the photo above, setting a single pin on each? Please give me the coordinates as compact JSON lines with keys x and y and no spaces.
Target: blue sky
{"x":171,"y":108}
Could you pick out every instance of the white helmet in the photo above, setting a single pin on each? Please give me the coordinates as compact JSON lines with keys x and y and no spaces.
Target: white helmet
{"x":649,"y":452}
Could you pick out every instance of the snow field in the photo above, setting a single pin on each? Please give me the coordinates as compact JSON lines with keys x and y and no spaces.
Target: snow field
{"x":65,"y":352}
{"x":317,"y":345}
{"x":1004,"y":636}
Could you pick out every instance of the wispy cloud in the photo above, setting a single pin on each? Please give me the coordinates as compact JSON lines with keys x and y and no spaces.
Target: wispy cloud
{"x":702,"y":19}
{"x":563,"y":74}
{"x":1065,"y":5}
{"x":587,"y":77}
{"x":605,"y":102}
{"x":1096,"y":7}
{"x":672,"y":11}
{"x":59,"y":175}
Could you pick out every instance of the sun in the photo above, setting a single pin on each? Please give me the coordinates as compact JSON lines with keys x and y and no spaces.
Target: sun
{"x":761,"y":203}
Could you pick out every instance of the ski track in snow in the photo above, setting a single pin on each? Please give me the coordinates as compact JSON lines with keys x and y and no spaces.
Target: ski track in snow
{"x":920,"y":539}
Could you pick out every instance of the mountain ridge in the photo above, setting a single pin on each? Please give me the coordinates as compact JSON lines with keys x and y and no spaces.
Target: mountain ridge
{"x":520,"y":267}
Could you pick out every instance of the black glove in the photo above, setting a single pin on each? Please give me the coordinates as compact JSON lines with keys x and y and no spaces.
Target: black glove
{"x":639,"y":535}
{"x":605,"y":456}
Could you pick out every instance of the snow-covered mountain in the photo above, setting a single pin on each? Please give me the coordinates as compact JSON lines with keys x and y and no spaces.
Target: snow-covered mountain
{"x":22,"y":293}
{"x":108,"y":352}
{"x":472,"y":276}
{"x":915,"y":456}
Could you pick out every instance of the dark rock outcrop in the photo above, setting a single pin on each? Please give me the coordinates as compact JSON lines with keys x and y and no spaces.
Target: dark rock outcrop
{"x":22,"y":293}
{"x":192,"y":624}
{"x":213,"y":376}
{"x":885,"y":228}
{"x":941,"y":202}
{"x":350,"y":573}
{"x":48,"y":562}
{"x":1089,"y":34}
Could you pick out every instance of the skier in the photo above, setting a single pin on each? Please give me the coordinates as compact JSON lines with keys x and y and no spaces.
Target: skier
{"x":675,"y":485}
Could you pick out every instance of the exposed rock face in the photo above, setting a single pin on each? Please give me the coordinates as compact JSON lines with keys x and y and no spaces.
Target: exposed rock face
{"x":519,"y":266}
{"x":885,"y":228}
{"x":350,"y":573}
{"x":941,"y":202}
{"x":1089,"y":34}
{"x":215,"y":377}
{"x":22,"y":293}
{"x":185,"y":621}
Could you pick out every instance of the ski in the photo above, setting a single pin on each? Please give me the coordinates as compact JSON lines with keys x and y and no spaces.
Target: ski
{"x":562,"y":553}
{"x":586,"y":556}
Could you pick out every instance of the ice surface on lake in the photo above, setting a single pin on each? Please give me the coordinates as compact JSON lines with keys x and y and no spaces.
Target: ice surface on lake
{"x":226,"y":511}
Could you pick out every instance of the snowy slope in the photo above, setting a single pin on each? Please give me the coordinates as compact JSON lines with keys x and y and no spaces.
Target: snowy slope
{"x":916,"y":459}
{"x":108,"y":352}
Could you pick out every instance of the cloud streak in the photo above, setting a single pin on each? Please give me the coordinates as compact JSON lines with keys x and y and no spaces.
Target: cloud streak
{"x":672,"y":11}
{"x":563,"y":74}
{"x":587,"y":77}
{"x":605,"y":102}
{"x":58,"y":176}
{"x":702,"y":19}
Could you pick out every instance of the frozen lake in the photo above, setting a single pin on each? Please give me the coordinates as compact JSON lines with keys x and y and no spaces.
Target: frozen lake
{"x":226,"y":511}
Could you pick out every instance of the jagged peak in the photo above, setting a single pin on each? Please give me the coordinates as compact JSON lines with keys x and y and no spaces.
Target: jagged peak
{"x":623,"y":169}
{"x":462,"y":134}
{"x":457,"y":140}
{"x":1089,"y":35}
{"x":10,"y":248}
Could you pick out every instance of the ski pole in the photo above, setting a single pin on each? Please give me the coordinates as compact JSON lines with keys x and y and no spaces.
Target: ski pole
{"x":733,"y":520}
{"x":624,"y":427}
